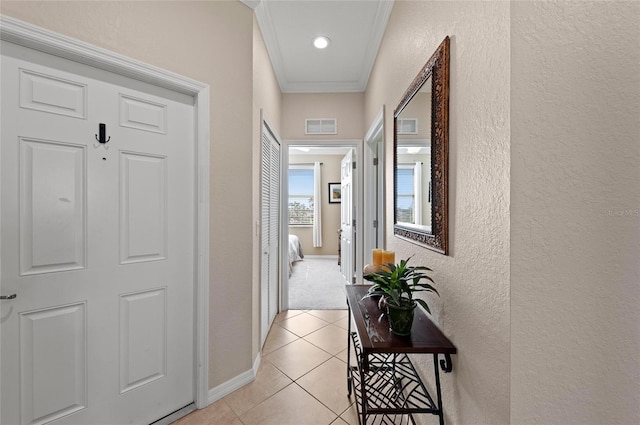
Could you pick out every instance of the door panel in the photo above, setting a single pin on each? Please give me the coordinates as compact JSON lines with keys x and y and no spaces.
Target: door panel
{"x":274,"y":229}
{"x":52,"y":207}
{"x":53,"y":336}
{"x":143,"y":114}
{"x":143,"y":342}
{"x":47,"y":93}
{"x":347,"y":217}
{"x":143,"y":207}
{"x":265,"y":205}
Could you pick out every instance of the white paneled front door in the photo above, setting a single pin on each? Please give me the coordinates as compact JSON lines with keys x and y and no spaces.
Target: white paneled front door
{"x":97,"y":244}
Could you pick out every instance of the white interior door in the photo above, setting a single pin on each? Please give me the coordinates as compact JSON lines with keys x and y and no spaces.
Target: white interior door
{"x":97,"y":242}
{"x":347,"y":217}
{"x":373,"y":189}
{"x":270,"y":234}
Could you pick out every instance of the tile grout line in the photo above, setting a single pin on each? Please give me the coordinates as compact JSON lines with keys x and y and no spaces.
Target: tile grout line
{"x":336,"y":416}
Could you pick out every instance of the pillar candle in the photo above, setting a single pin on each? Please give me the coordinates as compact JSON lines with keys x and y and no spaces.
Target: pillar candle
{"x":377,"y":256}
{"x":388,"y":257}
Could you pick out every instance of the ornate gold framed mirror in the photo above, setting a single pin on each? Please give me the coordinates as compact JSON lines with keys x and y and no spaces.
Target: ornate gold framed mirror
{"x":421,"y":156}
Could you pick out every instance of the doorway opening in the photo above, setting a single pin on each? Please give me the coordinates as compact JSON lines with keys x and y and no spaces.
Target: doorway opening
{"x":317,"y":200}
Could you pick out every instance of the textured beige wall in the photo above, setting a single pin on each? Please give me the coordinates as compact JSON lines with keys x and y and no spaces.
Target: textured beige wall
{"x":266,"y":91}
{"x":575,"y":216}
{"x":474,"y":279}
{"x":347,"y":108}
{"x":330,"y":212}
{"x":210,"y":42}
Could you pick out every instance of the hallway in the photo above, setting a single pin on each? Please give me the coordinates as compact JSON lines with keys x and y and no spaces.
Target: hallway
{"x":316,"y":283}
{"x":301,"y":380}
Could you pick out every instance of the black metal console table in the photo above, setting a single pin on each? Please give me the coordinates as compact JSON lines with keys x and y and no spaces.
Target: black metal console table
{"x":388,"y":389}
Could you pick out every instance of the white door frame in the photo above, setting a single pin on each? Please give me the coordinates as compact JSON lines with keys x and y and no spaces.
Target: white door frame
{"x":284,"y":208}
{"x":33,"y":37}
{"x":374,"y":202}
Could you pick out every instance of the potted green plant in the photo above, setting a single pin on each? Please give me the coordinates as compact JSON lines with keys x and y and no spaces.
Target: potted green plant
{"x":397,"y":283}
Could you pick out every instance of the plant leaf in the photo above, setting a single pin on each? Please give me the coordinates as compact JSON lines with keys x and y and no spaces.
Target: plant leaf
{"x":423,"y":304}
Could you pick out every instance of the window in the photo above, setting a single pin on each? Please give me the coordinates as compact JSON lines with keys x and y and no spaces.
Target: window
{"x":301,"y":195}
{"x":405,"y":209}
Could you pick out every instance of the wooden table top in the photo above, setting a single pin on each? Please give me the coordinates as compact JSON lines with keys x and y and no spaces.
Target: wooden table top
{"x":374,"y":333}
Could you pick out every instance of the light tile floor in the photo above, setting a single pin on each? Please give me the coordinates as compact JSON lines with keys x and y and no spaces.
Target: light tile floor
{"x":301,"y":380}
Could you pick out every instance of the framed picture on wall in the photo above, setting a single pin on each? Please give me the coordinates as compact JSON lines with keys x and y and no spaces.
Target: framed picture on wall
{"x":335,"y":194}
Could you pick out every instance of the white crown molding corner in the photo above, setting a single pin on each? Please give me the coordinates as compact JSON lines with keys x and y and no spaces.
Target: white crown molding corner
{"x":269,"y":35}
{"x":377,"y":33}
{"x":252,"y":4}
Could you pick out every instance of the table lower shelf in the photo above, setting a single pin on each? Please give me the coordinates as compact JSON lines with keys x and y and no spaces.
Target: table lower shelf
{"x":387,"y":387}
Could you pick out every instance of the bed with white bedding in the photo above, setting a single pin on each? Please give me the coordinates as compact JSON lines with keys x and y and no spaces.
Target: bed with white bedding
{"x":295,"y":251}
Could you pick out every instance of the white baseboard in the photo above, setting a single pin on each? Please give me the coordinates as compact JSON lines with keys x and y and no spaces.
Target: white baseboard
{"x":335,"y":257}
{"x":233,"y":384}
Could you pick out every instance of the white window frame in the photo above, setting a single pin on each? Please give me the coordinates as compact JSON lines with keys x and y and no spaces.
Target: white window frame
{"x":289,"y":195}
{"x":413,"y":193}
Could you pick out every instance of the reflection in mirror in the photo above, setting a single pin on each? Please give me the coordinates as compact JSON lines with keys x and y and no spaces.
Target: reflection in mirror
{"x":413,"y":152}
{"x":421,"y":137}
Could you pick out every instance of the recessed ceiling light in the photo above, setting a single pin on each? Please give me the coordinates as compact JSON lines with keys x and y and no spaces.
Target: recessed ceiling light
{"x":321,"y":42}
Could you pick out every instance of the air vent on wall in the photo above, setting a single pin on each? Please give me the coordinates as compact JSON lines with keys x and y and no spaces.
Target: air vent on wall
{"x":320,"y":126}
{"x":407,"y":125}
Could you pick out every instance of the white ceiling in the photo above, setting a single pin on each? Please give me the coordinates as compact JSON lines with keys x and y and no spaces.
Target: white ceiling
{"x":355,"y":28}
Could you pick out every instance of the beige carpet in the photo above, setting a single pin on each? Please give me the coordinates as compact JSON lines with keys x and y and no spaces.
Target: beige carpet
{"x":317,"y":284}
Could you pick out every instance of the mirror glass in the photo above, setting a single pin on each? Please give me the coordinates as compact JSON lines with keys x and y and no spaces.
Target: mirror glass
{"x":421,"y":142}
{"x":413,"y":152}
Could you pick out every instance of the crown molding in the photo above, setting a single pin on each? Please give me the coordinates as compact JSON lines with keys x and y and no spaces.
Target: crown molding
{"x":37,"y":38}
{"x":377,"y":32}
{"x":265,"y":23}
{"x":252,"y":4}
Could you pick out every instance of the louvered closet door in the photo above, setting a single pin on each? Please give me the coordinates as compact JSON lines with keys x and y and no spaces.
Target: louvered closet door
{"x":274,"y":228}
{"x":97,"y":243}
{"x":270,"y":225}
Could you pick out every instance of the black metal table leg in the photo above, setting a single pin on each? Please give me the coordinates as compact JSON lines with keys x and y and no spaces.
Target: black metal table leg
{"x":349,"y":372}
{"x":362,"y":364}
{"x":438,"y":389}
